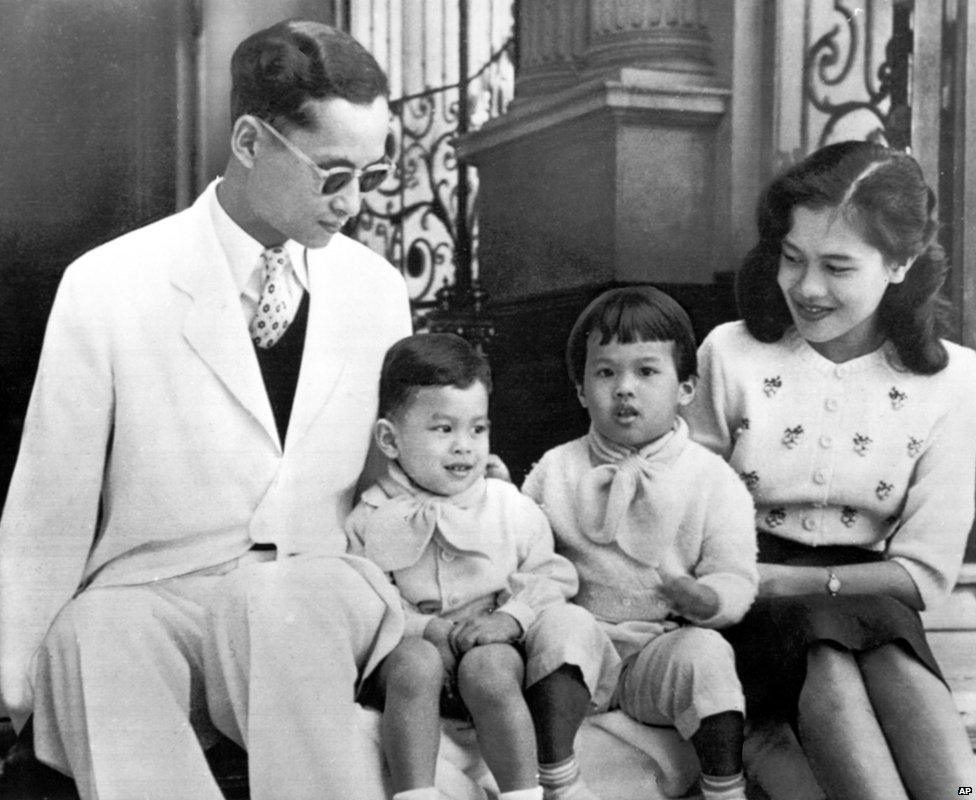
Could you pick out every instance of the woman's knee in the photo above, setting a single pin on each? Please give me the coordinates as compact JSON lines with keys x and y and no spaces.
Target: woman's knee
{"x":490,"y":673}
{"x":833,"y":680}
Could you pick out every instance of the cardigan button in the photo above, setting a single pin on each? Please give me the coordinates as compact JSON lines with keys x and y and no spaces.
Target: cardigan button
{"x":830,"y":404}
{"x":819,"y":476}
{"x":447,"y":555}
{"x":809,"y":524}
{"x":826,"y":441}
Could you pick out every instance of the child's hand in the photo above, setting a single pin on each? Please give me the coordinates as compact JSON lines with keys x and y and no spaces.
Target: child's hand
{"x":486,"y":629}
{"x":688,"y":597}
{"x":495,"y":468}
{"x":437,"y":633}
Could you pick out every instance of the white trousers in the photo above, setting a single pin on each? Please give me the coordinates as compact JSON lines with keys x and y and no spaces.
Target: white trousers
{"x":679,"y":678}
{"x":129,"y":678}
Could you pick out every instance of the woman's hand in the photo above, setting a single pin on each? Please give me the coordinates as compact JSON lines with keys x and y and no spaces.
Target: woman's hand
{"x":486,"y":629}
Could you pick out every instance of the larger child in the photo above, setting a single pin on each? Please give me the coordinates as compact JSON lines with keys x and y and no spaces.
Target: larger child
{"x":660,"y":530}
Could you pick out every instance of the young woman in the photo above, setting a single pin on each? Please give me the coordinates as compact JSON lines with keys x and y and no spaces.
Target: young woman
{"x":852,"y":423}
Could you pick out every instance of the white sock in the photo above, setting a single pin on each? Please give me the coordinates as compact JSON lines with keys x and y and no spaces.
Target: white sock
{"x":535,"y":793}
{"x":560,"y":773}
{"x":723,"y":787}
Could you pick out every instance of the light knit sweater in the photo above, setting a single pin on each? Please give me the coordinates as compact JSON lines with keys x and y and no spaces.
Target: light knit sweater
{"x":710,"y":536}
{"x":861,"y":453}
{"x":456,"y":557}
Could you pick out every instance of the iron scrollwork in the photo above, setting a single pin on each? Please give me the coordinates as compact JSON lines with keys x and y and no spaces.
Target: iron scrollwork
{"x":422,"y":218}
{"x":831,"y":61}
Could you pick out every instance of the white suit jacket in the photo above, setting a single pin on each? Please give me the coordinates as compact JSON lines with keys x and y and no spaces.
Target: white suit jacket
{"x":149,"y":400}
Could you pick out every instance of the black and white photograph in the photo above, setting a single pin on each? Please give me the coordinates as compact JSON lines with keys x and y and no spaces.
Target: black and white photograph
{"x":487,"y":399}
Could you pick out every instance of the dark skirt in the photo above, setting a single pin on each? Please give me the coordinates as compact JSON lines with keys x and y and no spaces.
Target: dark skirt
{"x":772,"y":640}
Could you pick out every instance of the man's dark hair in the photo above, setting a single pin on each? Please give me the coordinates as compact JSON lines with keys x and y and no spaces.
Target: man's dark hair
{"x":276,"y":71}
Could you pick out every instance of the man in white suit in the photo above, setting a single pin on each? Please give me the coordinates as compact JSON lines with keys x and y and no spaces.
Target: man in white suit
{"x":171,"y":552}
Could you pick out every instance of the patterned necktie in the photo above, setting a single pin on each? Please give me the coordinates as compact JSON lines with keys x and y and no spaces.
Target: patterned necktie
{"x":276,"y":308}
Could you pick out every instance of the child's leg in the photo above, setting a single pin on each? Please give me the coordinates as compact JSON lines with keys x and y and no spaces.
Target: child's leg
{"x":411,"y":678}
{"x":490,"y":682}
{"x":687,"y":678}
{"x":576,"y":661}
{"x":718,"y":743}
{"x":558,"y":704}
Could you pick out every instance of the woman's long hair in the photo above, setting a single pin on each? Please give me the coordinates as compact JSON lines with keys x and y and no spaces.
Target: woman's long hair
{"x":884,"y":195}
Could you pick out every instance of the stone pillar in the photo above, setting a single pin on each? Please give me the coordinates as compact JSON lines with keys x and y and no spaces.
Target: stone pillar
{"x":601,"y":172}
{"x":668,"y":35}
{"x":603,"y":168}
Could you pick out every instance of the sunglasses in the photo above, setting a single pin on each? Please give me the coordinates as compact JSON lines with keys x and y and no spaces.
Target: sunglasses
{"x":338,"y":178}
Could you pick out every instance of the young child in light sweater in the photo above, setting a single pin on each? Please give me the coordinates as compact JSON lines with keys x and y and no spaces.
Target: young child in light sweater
{"x":660,"y":529}
{"x":483,"y":592}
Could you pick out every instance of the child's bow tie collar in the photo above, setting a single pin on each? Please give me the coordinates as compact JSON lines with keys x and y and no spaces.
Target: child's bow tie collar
{"x":629,"y":497}
{"x":404,"y":523}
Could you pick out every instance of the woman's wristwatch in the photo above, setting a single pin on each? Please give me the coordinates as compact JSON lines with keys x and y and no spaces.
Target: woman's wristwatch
{"x":833,"y":583}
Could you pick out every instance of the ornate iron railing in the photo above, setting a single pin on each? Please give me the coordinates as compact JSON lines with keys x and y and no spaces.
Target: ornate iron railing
{"x":423,"y":218}
{"x":835,"y":62}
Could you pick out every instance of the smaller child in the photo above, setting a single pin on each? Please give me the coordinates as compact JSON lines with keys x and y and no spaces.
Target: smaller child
{"x":483,"y":592}
{"x":660,"y":529}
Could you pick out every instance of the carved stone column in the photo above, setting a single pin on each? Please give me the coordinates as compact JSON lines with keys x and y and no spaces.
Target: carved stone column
{"x":552,"y":36}
{"x":563,"y":42}
{"x":669,"y":35}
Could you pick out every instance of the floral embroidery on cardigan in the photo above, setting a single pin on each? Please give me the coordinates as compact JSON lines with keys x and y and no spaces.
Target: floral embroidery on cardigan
{"x":792,"y":436}
{"x":771,"y":385}
{"x":914,"y":446}
{"x":775,"y":517}
{"x":848,"y":515}
{"x":861,"y":444}
{"x":750,"y":479}
{"x":882,"y":490}
{"x":897,"y":398}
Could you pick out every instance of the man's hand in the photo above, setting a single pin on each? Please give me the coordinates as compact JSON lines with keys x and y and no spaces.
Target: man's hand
{"x":495,"y":468}
{"x":688,"y":597}
{"x":438,"y":633}
{"x":486,"y":629}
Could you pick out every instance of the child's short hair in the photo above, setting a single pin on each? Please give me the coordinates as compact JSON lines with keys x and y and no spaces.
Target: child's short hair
{"x":634,"y":314}
{"x":428,"y":359}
